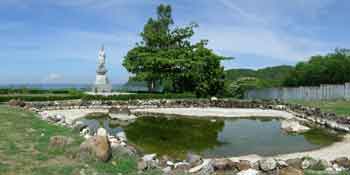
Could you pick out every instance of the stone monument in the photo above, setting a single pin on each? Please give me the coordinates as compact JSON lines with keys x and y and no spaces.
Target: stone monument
{"x":102,"y":84}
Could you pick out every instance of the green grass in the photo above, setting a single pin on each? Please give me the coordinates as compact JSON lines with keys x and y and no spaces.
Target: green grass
{"x":338,"y":107}
{"x":24,"y":149}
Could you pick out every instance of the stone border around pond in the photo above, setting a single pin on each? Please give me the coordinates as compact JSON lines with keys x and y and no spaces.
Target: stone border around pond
{"x":252,"y":164}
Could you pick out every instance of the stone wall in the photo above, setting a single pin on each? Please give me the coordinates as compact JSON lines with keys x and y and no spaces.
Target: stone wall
{"x":323,"y":92}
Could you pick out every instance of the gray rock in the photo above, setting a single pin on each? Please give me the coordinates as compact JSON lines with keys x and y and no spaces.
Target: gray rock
{"x":244,"y":165}
{"x":268,"y":164}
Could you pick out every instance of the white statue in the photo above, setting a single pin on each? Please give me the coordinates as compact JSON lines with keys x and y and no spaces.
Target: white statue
{"x":102,"y":83}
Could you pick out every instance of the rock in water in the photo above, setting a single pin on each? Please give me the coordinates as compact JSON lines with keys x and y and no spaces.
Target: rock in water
{"x":267,"y":164}
{"x":293,"y":126}
{"x":97,"y":148}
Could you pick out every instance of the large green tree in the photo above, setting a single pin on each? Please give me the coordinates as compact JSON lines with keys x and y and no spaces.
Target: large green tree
{"x":167,"y":54}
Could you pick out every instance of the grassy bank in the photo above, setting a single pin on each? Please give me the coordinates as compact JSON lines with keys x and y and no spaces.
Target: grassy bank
{"x":24,"y":149}
{"x":74,"y":96}
{"x":339,"y":107}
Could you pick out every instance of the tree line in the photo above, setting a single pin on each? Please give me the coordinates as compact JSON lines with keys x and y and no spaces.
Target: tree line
{"x":166,"y":56}
{"x":333,"y":68}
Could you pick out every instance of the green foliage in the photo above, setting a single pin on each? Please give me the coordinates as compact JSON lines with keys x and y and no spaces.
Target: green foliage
{"x":166,"y":54}
{"x":240,"y":86}
{"x":274,"y":76}
{"x":333,"y":68}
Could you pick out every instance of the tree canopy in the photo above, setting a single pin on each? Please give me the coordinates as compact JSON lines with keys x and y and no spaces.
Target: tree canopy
{"x":333,"y":68}
{"x":167,"y":54}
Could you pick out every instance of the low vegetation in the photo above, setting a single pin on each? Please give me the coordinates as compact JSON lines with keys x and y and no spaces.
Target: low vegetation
{"x":24,"y":149}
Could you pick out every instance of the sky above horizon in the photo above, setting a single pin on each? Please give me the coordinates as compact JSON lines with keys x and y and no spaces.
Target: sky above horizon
{"x":57,"y":41}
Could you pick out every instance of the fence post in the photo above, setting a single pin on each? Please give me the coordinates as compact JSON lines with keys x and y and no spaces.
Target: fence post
{"x":347,"y":91}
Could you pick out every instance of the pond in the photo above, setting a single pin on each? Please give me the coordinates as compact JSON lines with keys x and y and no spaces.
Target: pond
{"x":176,"y":136}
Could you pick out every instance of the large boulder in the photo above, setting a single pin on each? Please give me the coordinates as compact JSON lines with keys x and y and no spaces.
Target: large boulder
{"x":60,"y":141}
{"x":96,"y":148}
{"x":290,"y":171}
{"x":292,"y":125}
{"x":267,"y":164}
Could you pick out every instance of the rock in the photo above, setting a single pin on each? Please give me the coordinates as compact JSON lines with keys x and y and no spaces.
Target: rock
{"x":213,"y":99}
{"x":324,"y":163}
{"x":248,"y":172}
{"x":16,"y":103}
{"x":194,"y":159}
{"x":337,"y":168}
{"x":141,"y":165}
{"x":343,"y":162}
{"x":267,"y":164}
{"x":60,"y":141}
{"x":150,"y":161}
{"x":282,"y":163}
{"x":290,"y":171}
{"x":79,"y":125}
{"x":309,"y":163}
{"x":166,"y":170}
{"x":184,"y":166}
{"x":292,"y":125}
{"x":121,"y":136}
{"x":96,"y":147}
{"x":243,"y":165}
{"x":102,"y":132}
{"x":149,"y":157}
{"x":207,"y":168}
{"x":295,"y":163}
{"x":223,"y":165}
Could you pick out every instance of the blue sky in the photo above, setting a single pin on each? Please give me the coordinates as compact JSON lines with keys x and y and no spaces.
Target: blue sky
{"x":57,"y":41}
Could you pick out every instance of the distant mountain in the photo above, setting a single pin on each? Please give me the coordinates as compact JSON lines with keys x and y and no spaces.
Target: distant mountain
{"x":274,"y":75}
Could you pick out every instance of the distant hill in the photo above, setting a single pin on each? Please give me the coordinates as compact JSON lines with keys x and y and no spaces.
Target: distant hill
{"x":274,"y":75}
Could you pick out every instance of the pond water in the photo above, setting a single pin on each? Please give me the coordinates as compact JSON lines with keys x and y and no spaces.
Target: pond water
{"x":176,"y":136}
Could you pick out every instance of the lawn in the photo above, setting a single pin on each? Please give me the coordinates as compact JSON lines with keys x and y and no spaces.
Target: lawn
{"x":339,"y":107}
{"x":24,"y":140}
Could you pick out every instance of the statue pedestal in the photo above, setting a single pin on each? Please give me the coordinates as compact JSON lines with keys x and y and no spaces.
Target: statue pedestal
{"x":102,"y":88}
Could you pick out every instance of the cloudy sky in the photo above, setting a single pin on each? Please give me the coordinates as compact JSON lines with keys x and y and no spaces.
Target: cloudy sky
{"x":57,"y":41}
